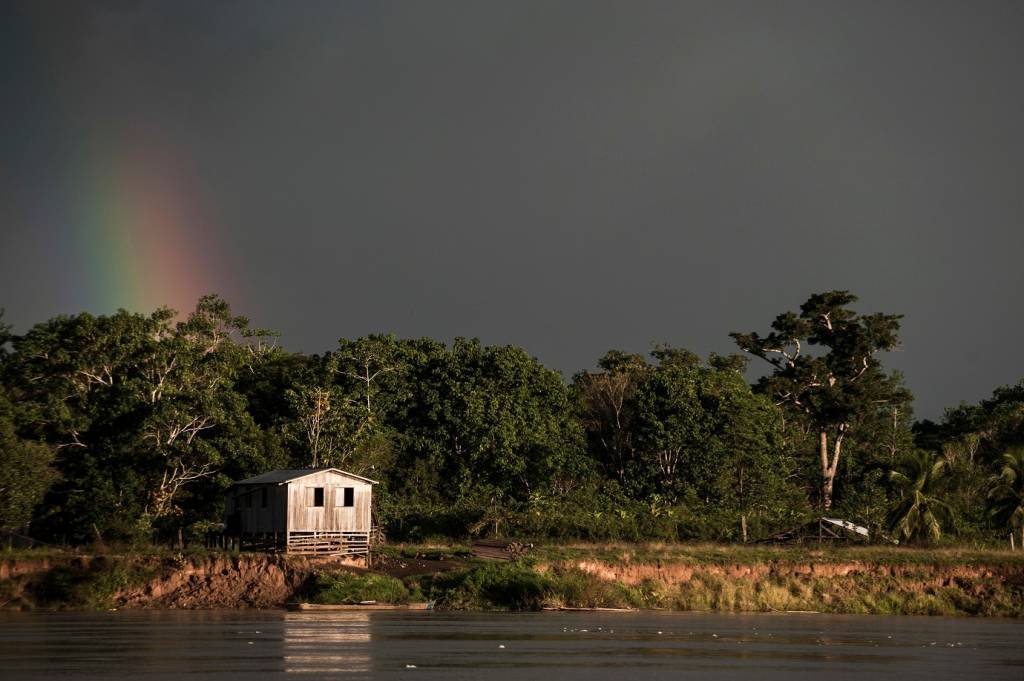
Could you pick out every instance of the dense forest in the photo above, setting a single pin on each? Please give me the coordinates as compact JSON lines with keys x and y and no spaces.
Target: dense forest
{"x":129,"y":428}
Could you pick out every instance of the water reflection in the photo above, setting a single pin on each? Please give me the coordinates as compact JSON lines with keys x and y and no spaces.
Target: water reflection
{"x":247,"y":645}
{"x":335,"y":643}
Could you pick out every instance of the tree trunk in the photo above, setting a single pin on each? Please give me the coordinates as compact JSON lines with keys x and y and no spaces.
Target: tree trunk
{"x":829,"y":466}
{"x":826,"y":479}
{"x":743,"y":526}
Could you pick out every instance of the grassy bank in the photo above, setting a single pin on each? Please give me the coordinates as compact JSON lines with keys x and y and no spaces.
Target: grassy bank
{"x":57,"y":582}
{"x":705,"y":577}
{"x":865,"y":580}
{"x":336,"y":587}
{"x":703,"y":554}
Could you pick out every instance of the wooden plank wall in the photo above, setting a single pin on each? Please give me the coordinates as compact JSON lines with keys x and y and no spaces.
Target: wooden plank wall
{"x":332,"y":516}
{"x":254,"y":518}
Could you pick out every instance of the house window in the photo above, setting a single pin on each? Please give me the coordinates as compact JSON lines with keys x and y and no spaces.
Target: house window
{"x":248,"y":499}
{"x":349,"y":497}
{"x":263,"y":497}
{"x":318,"y":496}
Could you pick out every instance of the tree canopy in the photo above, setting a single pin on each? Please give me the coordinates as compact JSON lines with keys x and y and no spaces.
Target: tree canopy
{"x":130,"y":426}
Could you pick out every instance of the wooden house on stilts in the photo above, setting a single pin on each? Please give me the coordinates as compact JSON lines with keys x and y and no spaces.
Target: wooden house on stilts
{"x":314,"y":511}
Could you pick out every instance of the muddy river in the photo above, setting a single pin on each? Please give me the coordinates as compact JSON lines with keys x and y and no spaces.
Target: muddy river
{"x":229,"y":645}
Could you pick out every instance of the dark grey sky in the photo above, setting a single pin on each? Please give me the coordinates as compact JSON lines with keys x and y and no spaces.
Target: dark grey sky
{"x":565,"y":176}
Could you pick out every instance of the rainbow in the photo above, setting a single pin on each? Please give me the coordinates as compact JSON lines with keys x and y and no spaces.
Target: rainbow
{"x":122,"y":211}
{"x":140,"y":242}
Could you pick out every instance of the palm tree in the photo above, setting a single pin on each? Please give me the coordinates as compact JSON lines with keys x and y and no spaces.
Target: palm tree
{"x":920,"y":512}
{"x":1006,"y":496}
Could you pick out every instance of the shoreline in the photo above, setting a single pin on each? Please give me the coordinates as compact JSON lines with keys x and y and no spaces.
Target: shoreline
{"x":573,"y":578}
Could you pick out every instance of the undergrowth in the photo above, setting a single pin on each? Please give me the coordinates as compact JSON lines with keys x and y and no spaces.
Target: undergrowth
{"x":349,"y":587}
{"x":91,"y":586}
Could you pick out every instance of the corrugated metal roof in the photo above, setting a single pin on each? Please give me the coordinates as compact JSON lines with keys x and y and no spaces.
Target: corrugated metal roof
{"x":847,"y":525}
{"x":287,"y":475}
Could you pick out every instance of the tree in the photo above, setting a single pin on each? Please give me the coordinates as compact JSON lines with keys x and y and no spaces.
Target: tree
{"x":838,"y":388}
{"x":363,"y":365}
{"x":975,"y":439}
{"x":1006,"y":496}
{"x":672,"y":425}
{"x":188,"y":377}
{"x":488,"y":427}
{"x":919,"y":515}
{"x":25,"y":473}
{"x":320,"y":418}
{"x":606,"y":402}
{"x":140,"y":410}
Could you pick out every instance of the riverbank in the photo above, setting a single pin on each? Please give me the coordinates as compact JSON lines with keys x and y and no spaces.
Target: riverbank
{"x":867,"y":580}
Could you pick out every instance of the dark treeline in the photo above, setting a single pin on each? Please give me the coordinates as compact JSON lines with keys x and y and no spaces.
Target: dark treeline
{"x":129,"y":428}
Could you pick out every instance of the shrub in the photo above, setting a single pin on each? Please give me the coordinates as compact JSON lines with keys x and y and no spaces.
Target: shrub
{"x":501,"y":586}
{"x":350,"y":587}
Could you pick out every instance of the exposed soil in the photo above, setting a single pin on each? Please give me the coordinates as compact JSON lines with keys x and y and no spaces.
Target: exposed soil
{"x":404,"y":567}
{"x":675,"y":573}
{"x":243,"y":581}
{"x":271,"y":581}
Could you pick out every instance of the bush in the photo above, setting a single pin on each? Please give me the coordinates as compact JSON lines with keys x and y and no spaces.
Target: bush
{"x":89,"y":586}
{"x":490,"y":586}
{"x":349,"y":587}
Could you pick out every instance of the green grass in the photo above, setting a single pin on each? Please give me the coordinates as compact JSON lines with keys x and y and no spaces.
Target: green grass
{"x":883,"y":580}
{"x":731,"y":554}
{"x":488,"y":586}
{"x":890,"y":580}
{"x":349,"y":587}
{"x":86,"y":586}
{"x":425,"y":551}
{"x":40,"y":553}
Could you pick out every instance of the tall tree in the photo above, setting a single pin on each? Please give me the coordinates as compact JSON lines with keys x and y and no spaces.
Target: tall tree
{"x":493,"y":421}
{"x":838,"y":387}
{"x":606,"y":402}
{"x":139,"y":409}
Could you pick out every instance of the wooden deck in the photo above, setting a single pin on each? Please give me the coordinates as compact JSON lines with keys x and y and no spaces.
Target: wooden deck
{"x":323,"y":543}
{"x":329,"y":543}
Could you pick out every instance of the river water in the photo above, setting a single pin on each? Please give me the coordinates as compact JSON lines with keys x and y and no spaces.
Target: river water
{"x":257,"y":645}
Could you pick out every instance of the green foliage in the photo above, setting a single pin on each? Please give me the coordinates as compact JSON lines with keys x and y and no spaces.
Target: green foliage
{"x":143,"y":410}
{"x":489,"y":586}
{"x":25,"y":473}
{"x":837,"y":389}
{"x":89,"y":585}
{"x":1006,"y":495}
{"x":700,"y":451}
{"x":920,"y":512}
{"x":866,"y":580}
{"x":352,"y":587}
{"x":128,"y":427}
{"x":975,"y":441}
